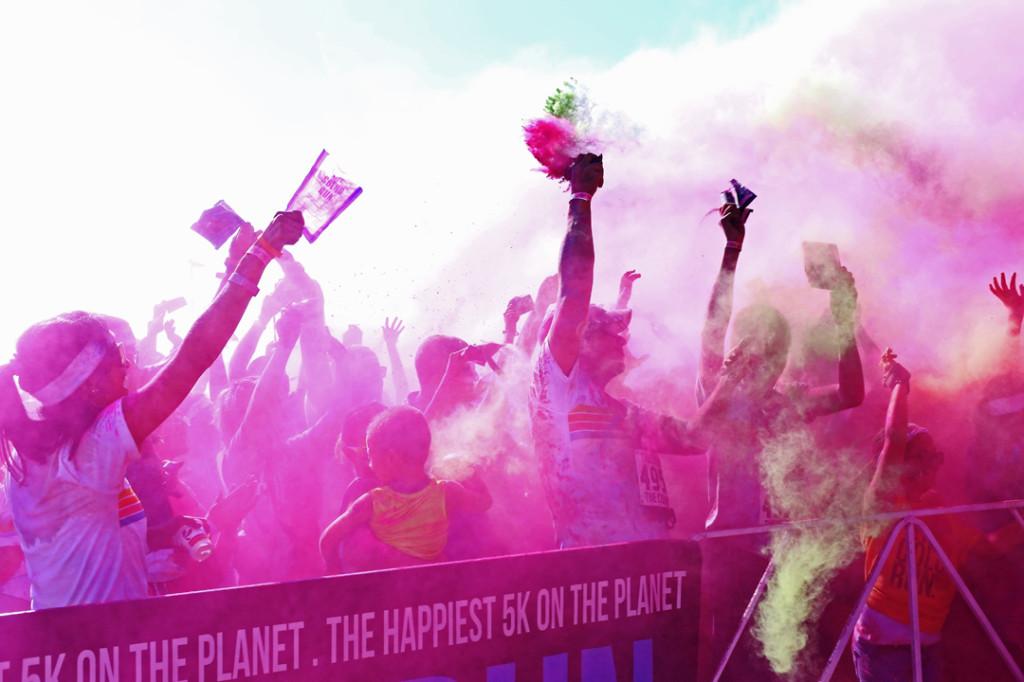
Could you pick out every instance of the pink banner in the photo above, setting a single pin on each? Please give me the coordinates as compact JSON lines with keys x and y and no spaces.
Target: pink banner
{"x":604,"y":614}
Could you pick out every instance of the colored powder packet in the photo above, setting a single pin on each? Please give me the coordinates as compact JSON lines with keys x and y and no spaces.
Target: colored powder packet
{"x":322,"y":196}
{"x":218,"y":223}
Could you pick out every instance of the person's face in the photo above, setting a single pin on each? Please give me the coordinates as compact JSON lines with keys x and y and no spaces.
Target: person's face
{"x":921,"y":464}
{"x":603,"y":355}
{"x":384,"y":465}
{"x":464,"y":379}
{"x":359,"y":458}
{"x":765,"y":370}
{"x":111,"y":384}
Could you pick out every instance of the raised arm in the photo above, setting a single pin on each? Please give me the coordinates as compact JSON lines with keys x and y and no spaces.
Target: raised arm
{"x":885,"y":481}
{"x":849,"y":392}
{"x":148,"y":354}
{"x":391,"y":330}
{"x":450,"y":392}
{"x":546,"y":295}
{"x":733,"y":222}
{"x":516,"y":308}
{"x":576,"y":264}
{"x":255,"y":431}
{"x":626,"y":289}
{"x":667,"y":435}
{"x":148,"y":407}
{"x":1012,"y":297}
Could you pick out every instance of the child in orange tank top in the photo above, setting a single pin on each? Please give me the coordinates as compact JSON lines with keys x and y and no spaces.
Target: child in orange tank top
{"x":407,"y":516}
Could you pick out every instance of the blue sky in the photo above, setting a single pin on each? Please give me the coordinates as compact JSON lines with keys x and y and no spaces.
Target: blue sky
{"x":459,"y":35}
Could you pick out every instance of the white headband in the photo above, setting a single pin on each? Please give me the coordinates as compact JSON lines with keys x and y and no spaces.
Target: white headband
{"x":73,"y":376}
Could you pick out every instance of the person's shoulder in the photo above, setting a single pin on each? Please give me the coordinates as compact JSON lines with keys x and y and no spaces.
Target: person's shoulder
{"x":108,"y":431}
{"x":110,"y":418}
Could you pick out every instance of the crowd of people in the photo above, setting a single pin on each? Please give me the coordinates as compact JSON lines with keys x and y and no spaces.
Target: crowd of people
{"x":130,"y":474}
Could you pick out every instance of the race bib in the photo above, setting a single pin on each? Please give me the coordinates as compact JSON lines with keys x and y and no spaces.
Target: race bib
{"x":651,"y":480}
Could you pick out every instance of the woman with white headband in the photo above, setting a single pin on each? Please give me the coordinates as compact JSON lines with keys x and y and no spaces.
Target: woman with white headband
{"x":66,"y":462}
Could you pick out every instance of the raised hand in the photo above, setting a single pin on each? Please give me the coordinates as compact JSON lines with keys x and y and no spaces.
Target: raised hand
{"x":1010,"y":295}
{"x":240,"y":243}
{"x":733,"y":222}
{"x":289,"y":324}
{"x":626,"y":287}
{"x":893,"y":373}
{"x":843,"y":298}
{"x":284,"y":229}
{"x":518,"y":306}
{"x":586,"y":173}
{"x":172,"y":334}
{"x":547,"y":293}
{"x":227,"y":512}
{"x":391,"y":330}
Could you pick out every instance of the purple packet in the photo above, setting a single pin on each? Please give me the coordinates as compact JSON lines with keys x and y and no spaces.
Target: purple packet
{"x":218,"y":223}
{"x":322,"y":196}
{"x":738,"y":195}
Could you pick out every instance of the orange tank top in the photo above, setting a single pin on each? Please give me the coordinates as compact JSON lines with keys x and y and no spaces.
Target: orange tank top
{"x":414,"y":523}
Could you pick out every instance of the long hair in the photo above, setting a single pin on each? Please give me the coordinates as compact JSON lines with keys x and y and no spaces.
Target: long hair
{"x":42,"y":354}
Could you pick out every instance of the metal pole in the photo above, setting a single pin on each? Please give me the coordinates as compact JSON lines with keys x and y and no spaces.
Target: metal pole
{"x":837,"y":652}
{"x":886,"y":516}
{"x":747,"y":613}
{"x":915,"y":617}
{"x":971,"y":602}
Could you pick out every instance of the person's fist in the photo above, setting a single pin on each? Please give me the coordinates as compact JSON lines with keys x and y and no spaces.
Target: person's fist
{"x":586,"y":173}
{"x":843,"y":297}
{"x":289,"y":324}
{"x":284,"y":229}
{"x":893,"y":373}
{"x":733,"y":221}
{"x":519,"y":306}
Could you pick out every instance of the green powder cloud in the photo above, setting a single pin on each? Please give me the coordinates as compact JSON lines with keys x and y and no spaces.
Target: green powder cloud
{"x":803,"y":481}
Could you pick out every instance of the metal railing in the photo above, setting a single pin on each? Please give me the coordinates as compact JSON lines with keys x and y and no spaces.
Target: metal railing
{"x":909,"y":520}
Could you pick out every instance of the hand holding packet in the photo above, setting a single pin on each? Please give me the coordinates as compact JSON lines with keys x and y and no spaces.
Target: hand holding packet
{"x":322,"y":196}
{"x":821,"y":264}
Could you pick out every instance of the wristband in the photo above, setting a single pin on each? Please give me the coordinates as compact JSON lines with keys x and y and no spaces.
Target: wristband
{"x":733,"y":244}
{"x":244,"y":283}
{"x":260,"y":253}
{"x":582,"y":196}
{"x":261,"y":241}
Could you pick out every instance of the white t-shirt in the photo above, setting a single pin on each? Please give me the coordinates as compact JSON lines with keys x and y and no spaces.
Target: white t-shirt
{"x":592,"y":465}
{"x":17,"y":585}
{"x":81,"y":526}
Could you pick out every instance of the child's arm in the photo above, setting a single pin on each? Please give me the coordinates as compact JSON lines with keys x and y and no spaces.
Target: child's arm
{"x":358,"y":514}
{"x":469,"y":496}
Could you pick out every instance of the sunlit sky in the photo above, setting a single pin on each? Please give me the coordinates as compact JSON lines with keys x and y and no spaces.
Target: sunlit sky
{"x":122,"y":121}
